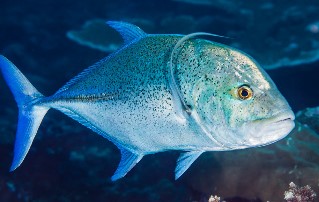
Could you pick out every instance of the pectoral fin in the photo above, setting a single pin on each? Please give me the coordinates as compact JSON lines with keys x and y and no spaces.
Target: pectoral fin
{"x":128,"y":161}
{"x":184,"y":161}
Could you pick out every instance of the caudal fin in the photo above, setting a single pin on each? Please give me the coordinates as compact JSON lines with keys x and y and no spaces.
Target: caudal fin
{"x":30,"y":115}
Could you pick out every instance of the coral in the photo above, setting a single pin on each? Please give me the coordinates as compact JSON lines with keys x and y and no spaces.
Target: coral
{"x":299,"y":194}
{"x":96,"y":34}
{"x":214,"y":199}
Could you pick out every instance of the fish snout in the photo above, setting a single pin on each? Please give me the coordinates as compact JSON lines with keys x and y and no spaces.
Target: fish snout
{"x":266,"y":131}
{"x":287,"y":115}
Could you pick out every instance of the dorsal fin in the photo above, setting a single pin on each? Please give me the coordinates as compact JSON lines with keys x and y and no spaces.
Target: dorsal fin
{"x":128,"y":31}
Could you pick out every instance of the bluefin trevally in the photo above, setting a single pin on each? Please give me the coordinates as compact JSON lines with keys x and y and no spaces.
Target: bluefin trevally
{"x":161,"y":92}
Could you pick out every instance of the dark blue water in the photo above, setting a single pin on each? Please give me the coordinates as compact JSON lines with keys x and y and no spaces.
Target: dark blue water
{"x":68,"y":162}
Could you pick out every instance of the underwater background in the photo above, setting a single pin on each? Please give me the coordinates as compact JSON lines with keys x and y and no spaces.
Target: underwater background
{"x":52,"y":41}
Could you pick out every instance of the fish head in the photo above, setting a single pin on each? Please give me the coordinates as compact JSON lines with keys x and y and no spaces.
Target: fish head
{"x":236,"y":102}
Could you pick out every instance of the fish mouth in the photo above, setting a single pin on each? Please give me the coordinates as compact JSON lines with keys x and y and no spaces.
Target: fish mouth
{"x":286,"y":116}
{"x":266,"y":131}
{"x":286,"y":119}
{"x":282,"y":124}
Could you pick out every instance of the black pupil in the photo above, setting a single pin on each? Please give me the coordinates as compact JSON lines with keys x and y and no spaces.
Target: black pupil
{"x":244,"y":93}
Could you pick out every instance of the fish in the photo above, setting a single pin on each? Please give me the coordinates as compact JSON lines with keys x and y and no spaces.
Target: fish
{"x":161,"y":92}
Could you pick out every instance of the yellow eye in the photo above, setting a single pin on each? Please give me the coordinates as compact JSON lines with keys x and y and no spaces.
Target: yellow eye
{"x":244,"y":92}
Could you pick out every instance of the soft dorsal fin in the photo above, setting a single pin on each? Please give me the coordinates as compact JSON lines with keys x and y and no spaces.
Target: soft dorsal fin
{"x":128,"y":161}
{"x":184,"y":161}
{"x":128,"y":31}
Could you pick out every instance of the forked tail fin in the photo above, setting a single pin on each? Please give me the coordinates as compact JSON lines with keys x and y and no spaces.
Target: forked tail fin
{"x":30,"y":115}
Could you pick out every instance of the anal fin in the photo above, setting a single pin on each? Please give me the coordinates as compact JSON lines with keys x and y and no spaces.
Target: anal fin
{"x":128,"y":161}
{"x":128,"y":158}
{"x":184,"y":161}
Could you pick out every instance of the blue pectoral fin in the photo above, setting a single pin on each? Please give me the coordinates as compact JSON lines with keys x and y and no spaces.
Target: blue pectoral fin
{"x":128,"y":161}
{"x":184,"y":161}
{"x":30,"y":115}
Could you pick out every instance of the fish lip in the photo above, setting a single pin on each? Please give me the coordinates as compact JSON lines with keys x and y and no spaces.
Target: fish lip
{"x":269,"y":130}
{"x":284,"y":116}
{"x":279,"y":117}
{"x":286,"y":119}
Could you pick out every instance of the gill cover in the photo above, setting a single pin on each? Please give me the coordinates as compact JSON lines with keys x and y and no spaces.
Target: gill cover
{"x":179,"y":102}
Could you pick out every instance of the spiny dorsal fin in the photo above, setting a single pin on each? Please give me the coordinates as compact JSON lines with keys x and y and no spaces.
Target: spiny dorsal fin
{"x":128,"y":161}
{"x":184,"y":161}
{"x":128,"y":31}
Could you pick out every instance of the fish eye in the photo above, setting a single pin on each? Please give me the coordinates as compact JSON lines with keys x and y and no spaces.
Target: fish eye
{"x":244,"y":92}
